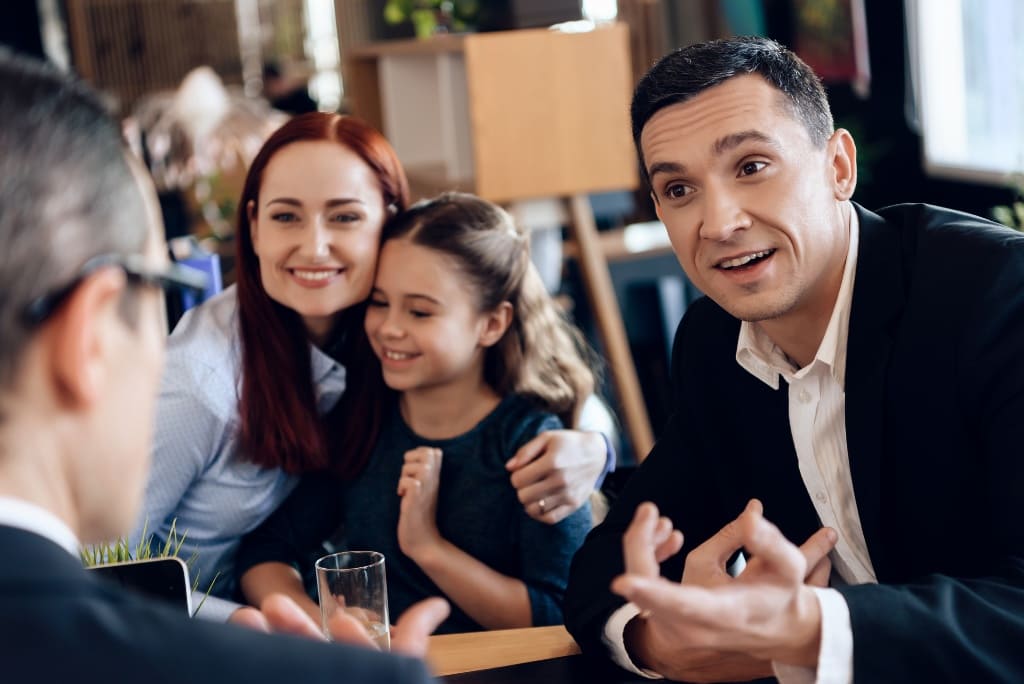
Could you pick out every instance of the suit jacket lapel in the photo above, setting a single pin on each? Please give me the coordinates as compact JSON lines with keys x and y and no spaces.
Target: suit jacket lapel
{"x":878,"y":299}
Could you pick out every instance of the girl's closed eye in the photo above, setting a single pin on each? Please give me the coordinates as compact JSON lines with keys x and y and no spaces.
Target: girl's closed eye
{"x":377,"y":302}
{"x":419,"y":313}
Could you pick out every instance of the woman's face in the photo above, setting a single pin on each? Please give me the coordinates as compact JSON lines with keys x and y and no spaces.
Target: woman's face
{"x":316,"y":231}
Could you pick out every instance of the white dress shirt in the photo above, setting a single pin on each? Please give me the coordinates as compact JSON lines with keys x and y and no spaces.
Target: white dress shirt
{"x":37,"y":520}
{"x":817,"y":418}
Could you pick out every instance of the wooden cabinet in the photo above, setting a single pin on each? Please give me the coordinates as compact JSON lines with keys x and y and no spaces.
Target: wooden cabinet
{"x":516,"y":115}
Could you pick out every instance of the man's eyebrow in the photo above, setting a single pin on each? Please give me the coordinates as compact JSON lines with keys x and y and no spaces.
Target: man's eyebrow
{"x":734,"y":140}
{"x":674,"y":168}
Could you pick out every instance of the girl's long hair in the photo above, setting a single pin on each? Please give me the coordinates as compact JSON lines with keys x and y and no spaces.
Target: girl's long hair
{"x":279,"y":424}
{"x":541,"y":355}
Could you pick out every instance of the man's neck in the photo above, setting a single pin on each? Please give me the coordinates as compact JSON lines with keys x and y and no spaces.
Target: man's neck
{"x":31,"y":469}
{"x":799,"y":333}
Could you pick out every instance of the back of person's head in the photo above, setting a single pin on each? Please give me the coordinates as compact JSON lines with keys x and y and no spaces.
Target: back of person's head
{"x":541,"y":355}
{"x":67,"y":195}
{"x":280,"y":426}
{"x":685,"y":73}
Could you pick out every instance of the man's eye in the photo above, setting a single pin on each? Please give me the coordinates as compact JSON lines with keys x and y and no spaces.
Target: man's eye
{"x":752,"y":167}
{"x":676,"y":190}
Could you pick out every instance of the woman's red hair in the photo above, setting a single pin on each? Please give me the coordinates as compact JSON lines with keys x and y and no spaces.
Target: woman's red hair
{"x":279,"y":422}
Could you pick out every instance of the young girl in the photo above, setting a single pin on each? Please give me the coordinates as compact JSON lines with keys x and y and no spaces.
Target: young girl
{"x":480,"y":362}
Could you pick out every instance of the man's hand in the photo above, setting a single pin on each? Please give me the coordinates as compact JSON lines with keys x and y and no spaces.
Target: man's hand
{"x":418,"y":485}
{"x":278,"y":613}
{"x":713,"y":626}
{"x":555,"y":472}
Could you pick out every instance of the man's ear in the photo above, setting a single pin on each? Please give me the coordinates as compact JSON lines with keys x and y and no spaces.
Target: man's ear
{"x":80,"y":336}
{"x":843,"y":154}
{"x":496,"y":322}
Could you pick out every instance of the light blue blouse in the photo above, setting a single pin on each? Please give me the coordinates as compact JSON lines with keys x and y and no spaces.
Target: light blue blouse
{"x":197,"y":477}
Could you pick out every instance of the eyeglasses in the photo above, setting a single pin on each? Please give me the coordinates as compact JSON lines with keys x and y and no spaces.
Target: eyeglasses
{"x":175,"y":278}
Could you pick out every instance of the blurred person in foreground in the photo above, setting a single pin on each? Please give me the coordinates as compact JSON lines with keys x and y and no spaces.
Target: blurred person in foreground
{"x":81,"y":274}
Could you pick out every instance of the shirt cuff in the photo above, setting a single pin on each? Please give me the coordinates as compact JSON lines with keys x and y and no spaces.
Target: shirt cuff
{"x":609,"y":460}
{"x":835,"y":655}
{"x":614,"y":639}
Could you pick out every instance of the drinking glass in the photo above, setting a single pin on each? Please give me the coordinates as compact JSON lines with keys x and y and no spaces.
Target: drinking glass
{"x":354,"y":582}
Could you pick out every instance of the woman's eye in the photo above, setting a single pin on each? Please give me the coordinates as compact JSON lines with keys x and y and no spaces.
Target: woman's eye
{"x":345,"y":218}
{"x":420,"y":314}
{"x":752,"y":167}
{"x":377,"y":303}
{"x":284,"y":217}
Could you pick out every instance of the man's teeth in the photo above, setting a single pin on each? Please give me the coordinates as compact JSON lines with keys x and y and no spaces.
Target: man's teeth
{"x":396,"y":356}
{"x":743,"y":260}
{"x":314,"y":275}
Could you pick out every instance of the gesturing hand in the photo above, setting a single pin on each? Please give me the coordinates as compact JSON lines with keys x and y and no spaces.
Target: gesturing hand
{"x":418,"y":484}
{"x":713,"y":626}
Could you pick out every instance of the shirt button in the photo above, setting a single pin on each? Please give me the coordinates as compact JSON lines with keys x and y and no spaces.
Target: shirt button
{"x":820,"y":496}
{"x":804,"y":396}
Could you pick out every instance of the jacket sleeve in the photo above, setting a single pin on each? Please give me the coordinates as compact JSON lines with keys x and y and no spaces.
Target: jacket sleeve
{"x":671,"y":477}
{"x":967,"y":625}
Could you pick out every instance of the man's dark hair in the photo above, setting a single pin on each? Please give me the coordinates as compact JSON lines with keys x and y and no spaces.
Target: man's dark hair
{"x":687,"y":72}
{"x":67,"y":193}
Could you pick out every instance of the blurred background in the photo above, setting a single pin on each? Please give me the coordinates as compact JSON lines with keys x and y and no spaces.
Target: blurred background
{"x":932,"y":90}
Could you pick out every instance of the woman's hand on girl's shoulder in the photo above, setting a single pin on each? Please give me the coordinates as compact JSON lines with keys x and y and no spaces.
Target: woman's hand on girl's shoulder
{"x":555,"y":472}
{"x":417,"y":485}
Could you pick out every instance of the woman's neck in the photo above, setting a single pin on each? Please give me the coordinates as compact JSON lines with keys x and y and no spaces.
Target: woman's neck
{"x":449,"y":410}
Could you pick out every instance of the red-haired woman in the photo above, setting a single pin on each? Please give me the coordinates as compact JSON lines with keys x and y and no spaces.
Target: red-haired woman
{"x":256,"y":389}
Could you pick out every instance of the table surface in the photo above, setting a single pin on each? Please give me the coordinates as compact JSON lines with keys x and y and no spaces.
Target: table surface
{"x":455,"y":653}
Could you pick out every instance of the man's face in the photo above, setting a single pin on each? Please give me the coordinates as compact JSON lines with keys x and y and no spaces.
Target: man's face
{"x":752,"y":207}
{"x":113,"y":480}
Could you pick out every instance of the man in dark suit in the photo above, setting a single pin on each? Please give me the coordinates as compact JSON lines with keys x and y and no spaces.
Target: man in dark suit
{"x":853,"y":376}
{"x":81,"y":265}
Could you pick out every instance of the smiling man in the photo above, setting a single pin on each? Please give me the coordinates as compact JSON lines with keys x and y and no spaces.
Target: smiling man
{"x":853,"y":377}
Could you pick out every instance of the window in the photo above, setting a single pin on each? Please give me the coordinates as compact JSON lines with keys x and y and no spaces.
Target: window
{"x":967,"y":77}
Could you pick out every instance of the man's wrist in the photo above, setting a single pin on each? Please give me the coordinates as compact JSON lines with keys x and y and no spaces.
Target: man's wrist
{"x":609,"y":459}
{"x":635,"y":639}
{"x":806,"y":642}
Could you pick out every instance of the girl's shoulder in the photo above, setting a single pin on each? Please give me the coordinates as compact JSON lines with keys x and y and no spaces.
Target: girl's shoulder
{"x":518,"y":419}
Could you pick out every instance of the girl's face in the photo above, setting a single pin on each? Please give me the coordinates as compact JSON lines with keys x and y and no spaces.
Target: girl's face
{"x":316,"y":231}
{"x":423,"y":321}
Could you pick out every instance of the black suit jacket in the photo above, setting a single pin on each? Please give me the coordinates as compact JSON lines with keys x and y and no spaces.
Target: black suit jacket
{"x":59,"y":623}
{"x":935,"y":430}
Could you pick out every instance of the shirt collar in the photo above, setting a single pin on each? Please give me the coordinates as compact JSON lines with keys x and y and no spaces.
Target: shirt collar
{"x":762,"y":358}
{"x":321,"y":363}
{"x":36,"y":519}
